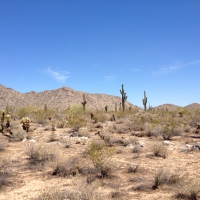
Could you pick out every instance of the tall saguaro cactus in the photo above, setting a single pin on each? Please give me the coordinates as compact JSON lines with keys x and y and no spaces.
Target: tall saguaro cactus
{"x":145,"y":101}
{"x":84,"y":102}
{"x":124,"y":97}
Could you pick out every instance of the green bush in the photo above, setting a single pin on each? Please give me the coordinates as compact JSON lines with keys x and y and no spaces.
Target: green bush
{"x":100,"y":155}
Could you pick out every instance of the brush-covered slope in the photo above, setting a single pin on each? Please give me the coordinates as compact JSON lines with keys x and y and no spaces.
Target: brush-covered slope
{"x":60,"y":98}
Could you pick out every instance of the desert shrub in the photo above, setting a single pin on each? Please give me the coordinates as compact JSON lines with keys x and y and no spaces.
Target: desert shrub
{"x":174,"y":177}
{"x":40,"y":116}
{"x":195,"y":118}
{"x":170,"y":131}
{"x":100,"y":155}
{"x":164,"y":176}
{"x":25,"y":111}
{"x":76,"y":119}
{"x":159,"y":149}
{"x":50,"y":193}
{"x":86,"y":193}
{"x":4,"y":165}
{"x":137,"y":126}
{"x":107,"y":138}
{"x":160,"y":177}
{"x":121,"y":114}
{"x":66,"y":142}
{"x":136,"y":148}
{"x":187,"y":129}
{"x":41,"y":153}
{"x":3,"y":144}
{"x":121,"y":128}
{"x":5,"y":171}
{"x":148,"y":130}
{"x":61,"y":123}
{"x":66,"y":167}
{"x":77,"y":123}
{"x":132,"y":169}
{"x":130,"y":140}
{"x":189,"y":192}
{"x":101,"y":117}
{"x":53,"y":137}
{"x":18,"y":134}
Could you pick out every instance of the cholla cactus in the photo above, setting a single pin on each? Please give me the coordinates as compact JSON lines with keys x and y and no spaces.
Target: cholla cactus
{"x":2,"y":120}
{"x":25,"y":121}
{"x":7,"y":117}
{"x":53,"y":126}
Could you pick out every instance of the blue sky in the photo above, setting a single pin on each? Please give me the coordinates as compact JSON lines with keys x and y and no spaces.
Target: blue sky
{"x":97,"y":45}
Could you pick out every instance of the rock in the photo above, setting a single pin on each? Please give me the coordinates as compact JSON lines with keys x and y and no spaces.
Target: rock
{"x":188,"y":145}
{"x":32,"y":140}
{"x":196,"y":146}
{"x":168,"y":142}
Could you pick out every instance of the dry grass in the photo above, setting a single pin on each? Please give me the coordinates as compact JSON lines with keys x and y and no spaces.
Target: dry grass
{"x":51,"y":193}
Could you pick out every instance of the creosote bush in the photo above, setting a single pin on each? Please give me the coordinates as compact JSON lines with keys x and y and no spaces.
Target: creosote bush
{"x":77,"y":118}
{"x":170,"y":131}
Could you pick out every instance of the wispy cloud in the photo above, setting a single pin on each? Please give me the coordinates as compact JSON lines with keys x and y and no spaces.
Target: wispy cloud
{"x":192,"y":63}
{"x":174,"y":68}
{"x":59,"y":76}
{"x":109,"y":79}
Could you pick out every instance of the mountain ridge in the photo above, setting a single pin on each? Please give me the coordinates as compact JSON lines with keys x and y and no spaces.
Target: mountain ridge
{"x":60,"y":98}
{"x":64,"y":97}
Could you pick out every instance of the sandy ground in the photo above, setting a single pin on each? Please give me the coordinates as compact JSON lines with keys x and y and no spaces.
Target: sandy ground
{"x":27,"y":180}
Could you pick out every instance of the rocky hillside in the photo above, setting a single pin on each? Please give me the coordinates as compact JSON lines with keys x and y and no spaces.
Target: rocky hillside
{"x":61,"y":98}
{"x":193,"y":106}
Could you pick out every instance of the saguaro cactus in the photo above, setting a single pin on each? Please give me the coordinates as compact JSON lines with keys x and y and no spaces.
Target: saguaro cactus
{"x":145,"y":101}
{"x":106,"y":108}
{"x":124,"y":97}
{"x":45,"y":107}
{"x":115,"y":107}
{"x":84,"y":102}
